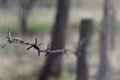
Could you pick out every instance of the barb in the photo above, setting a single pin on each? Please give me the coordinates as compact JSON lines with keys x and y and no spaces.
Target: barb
{"x":9,"y":39}
{"x":35,"y":46}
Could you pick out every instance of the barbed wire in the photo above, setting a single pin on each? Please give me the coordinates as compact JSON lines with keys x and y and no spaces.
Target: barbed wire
{"x":35,"y":45}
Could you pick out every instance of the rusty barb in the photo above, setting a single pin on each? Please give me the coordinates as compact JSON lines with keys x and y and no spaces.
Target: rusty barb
{"x":35,"y":45}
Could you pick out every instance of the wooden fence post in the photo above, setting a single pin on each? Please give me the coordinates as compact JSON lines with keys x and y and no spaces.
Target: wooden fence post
{"x":83,"y":49}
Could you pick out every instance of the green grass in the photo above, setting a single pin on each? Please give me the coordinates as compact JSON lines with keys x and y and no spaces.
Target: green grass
{"x":31,"y":26}
{"x":43,"y":12}
{"x":39,"y":26}
{"x":42,"y":26}
{"x":8,"y":26}
{"x":15,"y":49}
{"x":118,"y":26}
{"x":68,"y":77}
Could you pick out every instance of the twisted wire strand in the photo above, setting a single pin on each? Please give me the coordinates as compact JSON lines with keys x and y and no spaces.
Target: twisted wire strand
{"x":21,"y":41}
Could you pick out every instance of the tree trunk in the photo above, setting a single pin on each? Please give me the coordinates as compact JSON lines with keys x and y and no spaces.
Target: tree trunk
{"x":23,"y":22}
{"x":107,"y":37}
{"x":4,"y":4}
{"x":53,"y":66}
{"x":104,"y":63}
{"x":83,"y":49}
{"x":109,"y":22}
{"x":26,"y":6}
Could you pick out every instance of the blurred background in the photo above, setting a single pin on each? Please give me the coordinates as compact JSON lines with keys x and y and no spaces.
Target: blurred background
{"x":90,"y":28}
